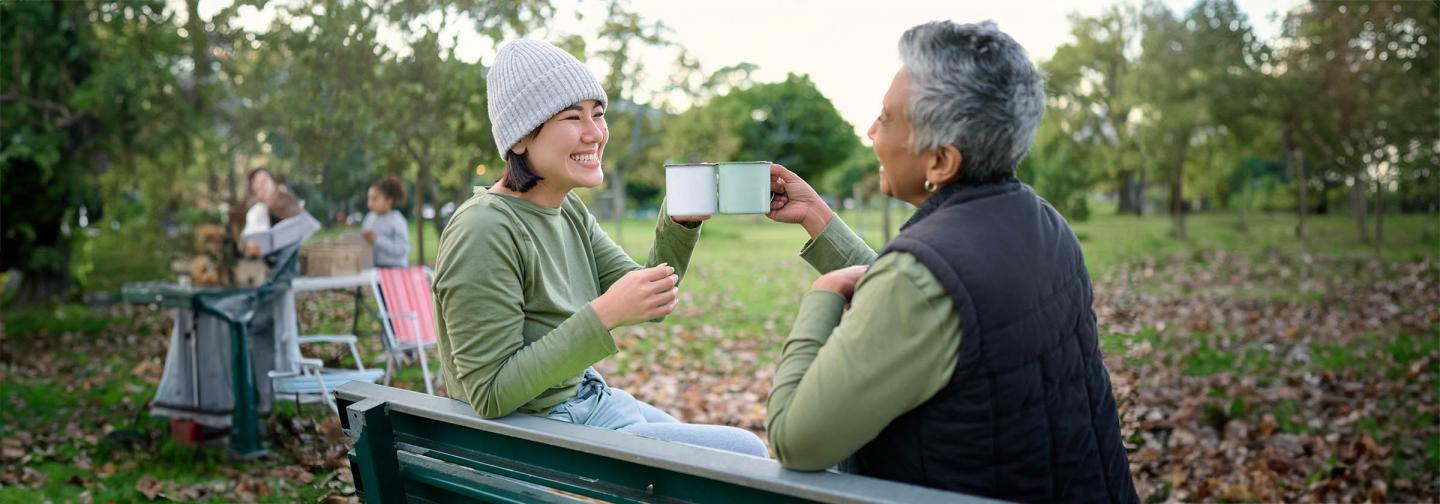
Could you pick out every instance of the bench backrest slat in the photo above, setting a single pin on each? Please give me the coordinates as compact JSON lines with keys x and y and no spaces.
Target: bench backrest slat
{"x":471,"y":484}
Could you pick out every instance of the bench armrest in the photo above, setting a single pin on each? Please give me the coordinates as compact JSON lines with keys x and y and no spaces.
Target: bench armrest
{"x":311,"y":362}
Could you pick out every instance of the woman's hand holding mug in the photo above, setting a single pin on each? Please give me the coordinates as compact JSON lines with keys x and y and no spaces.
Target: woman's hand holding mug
{"x":795,"y":202}
{"x":640,"y":295}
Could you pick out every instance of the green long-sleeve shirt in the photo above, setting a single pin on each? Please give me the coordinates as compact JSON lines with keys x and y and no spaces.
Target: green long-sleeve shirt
{"x":843,"y":376}
{"x":513,"y":286}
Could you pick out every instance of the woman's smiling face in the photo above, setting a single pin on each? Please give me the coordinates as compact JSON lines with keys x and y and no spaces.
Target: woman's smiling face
{"x":566,"y":152}
{"x":903,"y":172}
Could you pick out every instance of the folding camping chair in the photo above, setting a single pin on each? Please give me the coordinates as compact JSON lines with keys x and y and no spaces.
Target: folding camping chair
{"x":407,"y":313}
{"x":307,"y":379}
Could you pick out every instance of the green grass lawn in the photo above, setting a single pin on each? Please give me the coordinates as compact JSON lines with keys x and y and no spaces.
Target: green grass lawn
{"x":751,"y":266}
{"x":1106,"y":239}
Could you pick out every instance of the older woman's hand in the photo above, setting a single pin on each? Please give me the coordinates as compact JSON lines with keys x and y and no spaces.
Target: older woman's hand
{"x":795,"y":202}
{"x":841,"y":281}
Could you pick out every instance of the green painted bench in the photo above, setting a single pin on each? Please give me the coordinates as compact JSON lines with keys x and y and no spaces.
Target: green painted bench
{"x":413,"y":447}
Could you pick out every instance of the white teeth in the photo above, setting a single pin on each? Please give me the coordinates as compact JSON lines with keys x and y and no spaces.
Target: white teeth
{"x":588,"y":158}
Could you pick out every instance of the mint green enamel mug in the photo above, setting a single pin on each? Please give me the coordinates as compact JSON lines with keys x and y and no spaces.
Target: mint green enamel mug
{"x":744,"y":187}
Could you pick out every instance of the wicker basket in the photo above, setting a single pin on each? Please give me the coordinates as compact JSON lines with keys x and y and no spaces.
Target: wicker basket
{"x":331,"y":259}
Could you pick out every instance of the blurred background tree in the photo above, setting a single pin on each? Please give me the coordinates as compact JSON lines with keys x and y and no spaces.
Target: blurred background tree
{"x":1343,"y":101}
{"x":91,"y":92}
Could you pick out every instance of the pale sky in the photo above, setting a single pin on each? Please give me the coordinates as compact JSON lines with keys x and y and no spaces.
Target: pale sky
{"x":847,"y":47}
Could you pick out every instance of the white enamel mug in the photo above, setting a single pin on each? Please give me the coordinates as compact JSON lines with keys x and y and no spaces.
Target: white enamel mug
{"x":690,"y":189}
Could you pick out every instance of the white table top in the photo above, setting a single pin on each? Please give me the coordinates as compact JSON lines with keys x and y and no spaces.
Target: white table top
{"x":363,"y":279}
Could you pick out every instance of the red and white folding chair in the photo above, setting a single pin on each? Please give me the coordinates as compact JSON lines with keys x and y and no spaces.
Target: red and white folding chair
{"x":407,"y":313}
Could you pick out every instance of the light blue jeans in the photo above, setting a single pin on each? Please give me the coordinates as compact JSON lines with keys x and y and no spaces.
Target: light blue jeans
{"x":598,"y":405}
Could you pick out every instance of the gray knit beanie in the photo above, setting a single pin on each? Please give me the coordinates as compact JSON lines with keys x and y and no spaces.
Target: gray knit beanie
{"x":530,"y":81}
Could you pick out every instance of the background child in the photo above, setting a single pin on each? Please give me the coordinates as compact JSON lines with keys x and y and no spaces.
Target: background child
{"x":384,"y":226}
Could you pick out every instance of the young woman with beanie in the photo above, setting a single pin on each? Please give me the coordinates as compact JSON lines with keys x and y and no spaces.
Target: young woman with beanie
{"x":528,"y":287}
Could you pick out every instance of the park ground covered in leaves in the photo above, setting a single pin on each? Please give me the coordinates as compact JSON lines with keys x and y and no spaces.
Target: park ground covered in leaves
{"x":75,"y":424}
{"x":1240,"y":377}
{"x":1259,"y":376}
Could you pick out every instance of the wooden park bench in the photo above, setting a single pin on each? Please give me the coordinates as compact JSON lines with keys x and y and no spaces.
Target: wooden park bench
{"x":411,"y":446}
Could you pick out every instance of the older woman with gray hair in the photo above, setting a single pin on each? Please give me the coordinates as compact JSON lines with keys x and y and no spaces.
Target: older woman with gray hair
{"x":965,"y":356}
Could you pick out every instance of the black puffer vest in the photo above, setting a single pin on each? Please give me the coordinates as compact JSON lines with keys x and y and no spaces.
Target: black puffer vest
{"x":1028,"y":414}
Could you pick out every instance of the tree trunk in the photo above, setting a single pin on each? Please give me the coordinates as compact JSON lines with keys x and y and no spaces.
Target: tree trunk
{"x":885,"y":216}
{"x":1140,"y":194}
{"x":1432,"y":225}
{"x":41,"y":254}
{"x":1357,"y":205}
{"x":232,"y":191}
{"x":1302,"y":182}
{"x":1126,"y":192}
{"x":1379,"y":213}
{"x":1177,"y":186}
{"x":1244,"y":226}
{"x":617,"y":189}
{"x":1322,"y":202}
{"x":41,"y":287}
{"x":1429,"y":232}
{"x":1140,"y":186}
{"x":859,"y":210}
{"x":421,"y":182}
{"x":199,"y":52}
{"x":637,"y":128}
{"x":43,"y":261}
{"x":1296,"y":163}
{"x":200,"y":71}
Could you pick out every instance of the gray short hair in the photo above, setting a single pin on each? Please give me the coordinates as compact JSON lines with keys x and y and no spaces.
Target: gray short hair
{"x":975,"y":88}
